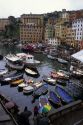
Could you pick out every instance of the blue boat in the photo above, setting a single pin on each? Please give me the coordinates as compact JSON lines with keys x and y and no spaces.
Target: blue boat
{"x":54,"y":98}
{"x":66,"y":98}
{"x":40,"y":91}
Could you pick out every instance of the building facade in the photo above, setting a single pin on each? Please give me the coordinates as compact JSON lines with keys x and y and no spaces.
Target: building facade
{"x":31,"y":28}
{"x":78,"y":26}
{"x":3,"y":22}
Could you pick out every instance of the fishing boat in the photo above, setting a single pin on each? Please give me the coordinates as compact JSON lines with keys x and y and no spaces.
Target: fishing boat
{"x":65,"y":96}
{"x":40,"y":91}
{"x":28,"y":59}
{"x":16,"y":82}
{"x":14,"y":62}
{"x":27,"y":90}
{"x":54,"y":98}
{"x":44,"y":106}
{"x":31,"y":72}
{"x":49,"y":80}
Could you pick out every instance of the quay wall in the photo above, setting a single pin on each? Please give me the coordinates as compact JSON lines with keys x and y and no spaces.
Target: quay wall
{"x":69,"y":114}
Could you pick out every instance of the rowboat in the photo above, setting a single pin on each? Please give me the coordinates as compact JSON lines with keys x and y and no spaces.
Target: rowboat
{"x":49,"y":80}
{"x":37,"y":84}
{"x":16,"y":82}
{"x":22,"y":85}
{"x":54,"y":98}
{"x":3,"y":71}
{"x":31,"y":72}
{"x":66,"y":98}
{"x":28,"y":90}
{"x":40,"y":91}
{"x":10,"y":78}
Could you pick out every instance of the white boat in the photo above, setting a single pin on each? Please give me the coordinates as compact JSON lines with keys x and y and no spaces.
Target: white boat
{"x":37,"y":84}
{"x":31,"y":72}
{"x":28,"y":59}
{"x":28,"y":89}
{"x":62,"y":61}
{"x":14,"y":62}
{"x":22,"y":85}
{"x":3,"y":71}
{"x":50,"y":56}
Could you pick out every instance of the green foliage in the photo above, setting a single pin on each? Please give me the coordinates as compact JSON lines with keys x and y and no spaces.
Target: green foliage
{"x":12,"y":30}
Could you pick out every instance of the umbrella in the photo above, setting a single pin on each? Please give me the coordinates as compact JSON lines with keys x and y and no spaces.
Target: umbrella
{"x":9,"y":105}
{"x":45,"y":108}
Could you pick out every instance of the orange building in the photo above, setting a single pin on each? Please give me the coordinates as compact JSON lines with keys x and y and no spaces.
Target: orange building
{"x":31,"y":28}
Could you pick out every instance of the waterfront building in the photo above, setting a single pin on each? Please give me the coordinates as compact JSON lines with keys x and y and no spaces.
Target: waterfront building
{"x":49,"y":31}
{"x":3,"y":22}
{"x":70,"y":37}
{"x":78,"y":26}
{"x":31,"y":28}
{"x":54,"y":42}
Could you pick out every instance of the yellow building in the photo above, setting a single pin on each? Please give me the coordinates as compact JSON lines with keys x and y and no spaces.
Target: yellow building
{"x":31,"y":28}
{"x":3,"y":22}
{"x":70,"y":37}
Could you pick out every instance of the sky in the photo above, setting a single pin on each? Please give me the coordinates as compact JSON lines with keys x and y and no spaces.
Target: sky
{"x":19,"y":7}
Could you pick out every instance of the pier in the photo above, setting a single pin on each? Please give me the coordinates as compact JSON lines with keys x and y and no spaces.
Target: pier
{"x":67,"y":115}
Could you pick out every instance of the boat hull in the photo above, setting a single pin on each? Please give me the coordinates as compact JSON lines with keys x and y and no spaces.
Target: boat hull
{"x":66,"y":98}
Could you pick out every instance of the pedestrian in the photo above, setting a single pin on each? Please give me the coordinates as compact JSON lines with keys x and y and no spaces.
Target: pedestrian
{"x":24,"y":117}
{"x":36,"y":111}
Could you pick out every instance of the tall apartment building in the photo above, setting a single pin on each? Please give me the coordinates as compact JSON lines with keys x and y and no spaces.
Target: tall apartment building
{"x":60,"y":31}
{"x":31,"y":28}
{"x":70,"y":37}
{"x":3,"y":22}
{"x":78,"y":26}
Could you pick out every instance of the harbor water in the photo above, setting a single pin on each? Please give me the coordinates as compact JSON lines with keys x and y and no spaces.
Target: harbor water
{"x":44,"y":68}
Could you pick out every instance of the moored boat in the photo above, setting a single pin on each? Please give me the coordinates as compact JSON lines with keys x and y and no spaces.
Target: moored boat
{"x":62,"y":61}
{"x":3,"y":71}
{"x":16,"y":82}
{"x":28,"y":59}
{"x":31,"y":72}
{"x":54,"y":98}
{"x":49,"y":80}
{"x":27,"y":90}
{"x":37,"y":84}
{"x":22,"y":85}
{"x":9,"y":78}
{"x":65,"y":96}
{"x":14,"y":62}
{"x":40,"y":91}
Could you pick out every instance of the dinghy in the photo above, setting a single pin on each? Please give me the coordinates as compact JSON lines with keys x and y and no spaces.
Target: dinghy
{"x":40,"y":91}
{"x":28,"y":90}
{"x":63,"y":94}
{"x":54,"y":98}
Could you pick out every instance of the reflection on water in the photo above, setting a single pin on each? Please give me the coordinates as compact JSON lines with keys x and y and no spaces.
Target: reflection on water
{"x":44,"y":68}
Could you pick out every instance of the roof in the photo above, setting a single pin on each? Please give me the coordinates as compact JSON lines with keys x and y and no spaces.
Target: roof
{"x":78,"y":56}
